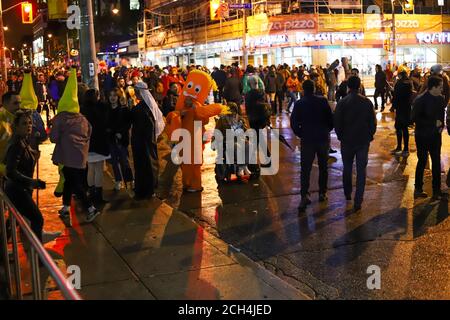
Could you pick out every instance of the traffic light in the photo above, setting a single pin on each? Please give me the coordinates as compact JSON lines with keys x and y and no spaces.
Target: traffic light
{"x":408,"y":5}
{"x":386,"y":45}
{"x":27,"y":13}
{"x":214,"y":6}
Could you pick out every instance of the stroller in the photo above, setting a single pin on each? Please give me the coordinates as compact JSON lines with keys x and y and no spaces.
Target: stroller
{"x":223,"y":170}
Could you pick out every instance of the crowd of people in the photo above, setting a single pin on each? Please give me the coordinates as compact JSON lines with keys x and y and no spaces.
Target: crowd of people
{"x":127,"y":113}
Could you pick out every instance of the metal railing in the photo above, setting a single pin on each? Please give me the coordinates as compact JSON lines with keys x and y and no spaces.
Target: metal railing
{"x":37,"y":252}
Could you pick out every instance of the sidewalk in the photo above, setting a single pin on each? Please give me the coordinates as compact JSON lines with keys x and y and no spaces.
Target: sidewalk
{"x":149,"y":250}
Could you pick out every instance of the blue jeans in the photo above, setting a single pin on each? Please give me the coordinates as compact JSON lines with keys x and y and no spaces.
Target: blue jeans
{"x":349,"y":153}
{"x":120,"y":163}
{"x":293,"y":97}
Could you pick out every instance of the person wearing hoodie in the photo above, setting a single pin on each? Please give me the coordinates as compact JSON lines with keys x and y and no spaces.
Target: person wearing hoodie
{"x":71,"y":133}
{"x":97,"y":114}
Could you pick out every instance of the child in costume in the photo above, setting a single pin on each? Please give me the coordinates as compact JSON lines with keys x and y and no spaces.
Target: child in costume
{"x":231,"y":121}
{"x":189,"y":108}
{"x":71,"y":133}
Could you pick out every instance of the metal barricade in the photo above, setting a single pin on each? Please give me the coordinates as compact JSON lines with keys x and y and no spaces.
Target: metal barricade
{"x":37,"y":253}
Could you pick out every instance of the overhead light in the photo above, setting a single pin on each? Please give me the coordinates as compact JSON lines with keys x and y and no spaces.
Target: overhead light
{"x":115,"y":11}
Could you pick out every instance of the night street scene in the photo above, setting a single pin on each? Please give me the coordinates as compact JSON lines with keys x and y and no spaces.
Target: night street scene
{"x":224,"y":150}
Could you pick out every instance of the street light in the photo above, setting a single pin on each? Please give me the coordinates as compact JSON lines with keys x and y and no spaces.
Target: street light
{"x":49,"y":35}
{"x":115,"y":11}
{"x":5,"y":28}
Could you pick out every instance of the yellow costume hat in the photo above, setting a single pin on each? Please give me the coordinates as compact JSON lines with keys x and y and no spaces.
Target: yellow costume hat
{"x":27,"y":94}
{"x":69,"y":99}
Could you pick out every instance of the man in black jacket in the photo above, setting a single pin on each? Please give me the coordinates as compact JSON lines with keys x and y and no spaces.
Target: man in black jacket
{"x":380,"y":87}
{"x":401,"y":103}
{"x":219,"y":76}
{"x":355,"y":125}
{"x":428,"y":114}
{"x":312,"y":121}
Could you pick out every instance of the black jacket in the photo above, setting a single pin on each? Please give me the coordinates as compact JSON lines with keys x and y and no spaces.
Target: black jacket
{"x":120,"y":122}
{"x":20,"y":161}
{"x":401,"y":102}
{"x":427,"y":110}
{"x":354,"y":120}
{"x":233,"y":90}
{"x":99,"y":118}
{"x":380,"y":80}
{"x":219,"y":77}
{"x":270,"y":82}
{"x":312,"y":119}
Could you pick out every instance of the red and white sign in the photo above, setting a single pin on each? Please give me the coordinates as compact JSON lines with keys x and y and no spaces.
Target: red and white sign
{"x":302,"y":22}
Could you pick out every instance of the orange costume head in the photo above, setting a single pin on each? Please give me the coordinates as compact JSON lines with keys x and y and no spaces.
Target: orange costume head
{"x":197,"y":86}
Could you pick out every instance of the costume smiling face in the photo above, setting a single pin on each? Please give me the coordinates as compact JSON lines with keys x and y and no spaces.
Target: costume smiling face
{"x":197,"y":86}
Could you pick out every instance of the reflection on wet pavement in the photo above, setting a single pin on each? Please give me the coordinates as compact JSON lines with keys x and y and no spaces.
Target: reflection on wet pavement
{"x":326,"y":251}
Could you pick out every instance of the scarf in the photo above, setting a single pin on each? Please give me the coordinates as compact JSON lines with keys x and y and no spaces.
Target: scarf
{"x":152,"y":105}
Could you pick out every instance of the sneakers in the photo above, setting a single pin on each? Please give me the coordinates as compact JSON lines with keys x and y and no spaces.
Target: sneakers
{"x":117,"y":185}
{"x":304,"y":203}
{"x":323,"y":197}
{"x":356,"y":208}
{"x":92,"y":214}
{"x":405,"y":153}
{"x":49,"y":236}
{"x":396,"y":152}
{"x":420,"y":194}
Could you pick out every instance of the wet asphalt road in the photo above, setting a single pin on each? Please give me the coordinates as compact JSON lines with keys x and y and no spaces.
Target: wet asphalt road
{"x":324,"y":252}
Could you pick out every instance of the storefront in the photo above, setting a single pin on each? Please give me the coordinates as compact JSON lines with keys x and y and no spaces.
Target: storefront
{"x":315,"y":39}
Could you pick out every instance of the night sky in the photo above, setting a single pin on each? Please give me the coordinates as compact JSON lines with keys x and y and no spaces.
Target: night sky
{"x":13,"y":19}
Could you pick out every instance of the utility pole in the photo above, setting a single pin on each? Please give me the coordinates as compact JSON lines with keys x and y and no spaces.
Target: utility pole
{"x":244,"y":38}
{"x":87,"y":45}
{"x":3,"y":71}
{"x":394,"y":36}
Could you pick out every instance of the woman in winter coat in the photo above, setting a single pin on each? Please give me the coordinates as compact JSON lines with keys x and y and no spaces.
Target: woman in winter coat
{"x":270,"y":82}
{"x":98,"y":116}
{"x":20,"y":161}
{"x":401,"y":103}
{"x":232,"y":91}
{"x":120,"y":123}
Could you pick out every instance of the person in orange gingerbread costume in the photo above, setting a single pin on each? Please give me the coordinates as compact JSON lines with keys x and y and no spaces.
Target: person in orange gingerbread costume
{"x":190,"y":109}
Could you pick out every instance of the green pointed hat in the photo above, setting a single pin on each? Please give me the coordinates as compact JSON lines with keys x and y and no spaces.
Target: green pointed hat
{"x":69,"y":99}
{"x":27,"y":94}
